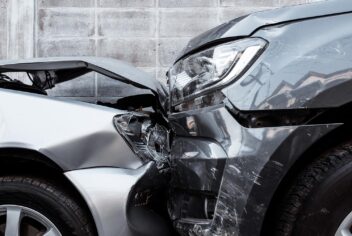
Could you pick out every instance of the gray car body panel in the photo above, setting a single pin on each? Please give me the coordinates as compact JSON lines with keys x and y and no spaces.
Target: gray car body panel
{"x":256,"y":160}
{"x":247,"y":25}
{"x":73,"y":134}
{"x":305,"y":65}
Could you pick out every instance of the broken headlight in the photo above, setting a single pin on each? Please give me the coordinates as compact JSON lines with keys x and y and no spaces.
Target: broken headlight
{"x":211,"y":68}
{"x":148,"y":139}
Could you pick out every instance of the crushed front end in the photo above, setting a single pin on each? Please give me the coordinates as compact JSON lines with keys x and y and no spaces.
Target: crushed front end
{"x":244,"y":109}
{"x":224,"y":173}
{"x":210,"y":149}
{"x":149,"y":135}
{"x":217,"y":164}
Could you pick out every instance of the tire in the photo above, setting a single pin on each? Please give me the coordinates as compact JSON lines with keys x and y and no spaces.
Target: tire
{"x":41,"y":201}
{"x":320,"y":197}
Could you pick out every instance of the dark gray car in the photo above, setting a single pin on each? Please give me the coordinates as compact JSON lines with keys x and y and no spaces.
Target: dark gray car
{"x":261,"y":110}
{"x":252,"y":137}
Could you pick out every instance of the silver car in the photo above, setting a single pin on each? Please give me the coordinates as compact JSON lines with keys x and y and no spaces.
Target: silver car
{"x":74,"y":168}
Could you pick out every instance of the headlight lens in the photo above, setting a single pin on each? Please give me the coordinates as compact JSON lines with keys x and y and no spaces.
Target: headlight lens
{"x":212,"y":67}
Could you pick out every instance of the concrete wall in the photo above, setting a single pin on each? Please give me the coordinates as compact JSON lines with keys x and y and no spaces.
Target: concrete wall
{"x":147,"y":33}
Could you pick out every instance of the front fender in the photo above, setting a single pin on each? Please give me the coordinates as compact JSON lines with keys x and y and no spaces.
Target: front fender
{"x":74,"y":135}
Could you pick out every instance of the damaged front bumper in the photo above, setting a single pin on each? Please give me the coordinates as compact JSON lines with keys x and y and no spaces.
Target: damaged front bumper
{"x":224,"y":174}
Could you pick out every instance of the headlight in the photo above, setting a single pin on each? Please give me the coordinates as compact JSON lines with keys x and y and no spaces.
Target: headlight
{"x":212,"y":68}
{"x":149,"y":140}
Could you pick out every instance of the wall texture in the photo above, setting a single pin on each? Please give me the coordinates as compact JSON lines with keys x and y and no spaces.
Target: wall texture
{"x":147,"y":33}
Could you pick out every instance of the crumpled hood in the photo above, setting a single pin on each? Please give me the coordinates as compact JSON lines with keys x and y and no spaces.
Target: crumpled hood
{"x":68,"y":68}
{"x":246,"y":25}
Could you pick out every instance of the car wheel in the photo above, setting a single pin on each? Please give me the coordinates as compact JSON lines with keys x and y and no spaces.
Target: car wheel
{"x":35,"y":207}
{"x":319,"y":201}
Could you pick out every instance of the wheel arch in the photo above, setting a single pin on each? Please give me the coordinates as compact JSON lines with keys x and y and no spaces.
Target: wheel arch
{"x":9,"y":155}
{"x":23,"y":161}
{"x":314,"y":151}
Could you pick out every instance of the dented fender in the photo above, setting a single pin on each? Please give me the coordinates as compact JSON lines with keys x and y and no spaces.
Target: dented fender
{"x":74,"y":135}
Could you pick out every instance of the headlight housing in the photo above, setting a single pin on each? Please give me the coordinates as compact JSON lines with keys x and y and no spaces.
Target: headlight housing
{"x":212,"y":68}
{"x":148,"y":139}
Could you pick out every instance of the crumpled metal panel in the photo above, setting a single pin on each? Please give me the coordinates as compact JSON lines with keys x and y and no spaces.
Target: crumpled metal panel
{"x":258,"y":158}
{"x":115,"y":69}
{"x":305,"y":65}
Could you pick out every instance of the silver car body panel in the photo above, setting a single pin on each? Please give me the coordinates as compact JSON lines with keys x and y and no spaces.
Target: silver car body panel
{"x":106,"y":191}
{"x":72,"y":134}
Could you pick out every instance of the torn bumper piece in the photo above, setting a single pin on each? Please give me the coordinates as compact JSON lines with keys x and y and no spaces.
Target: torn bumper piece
{"x":248,"y":164}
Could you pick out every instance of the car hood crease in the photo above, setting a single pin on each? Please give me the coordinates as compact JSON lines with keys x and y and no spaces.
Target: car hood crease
{"x":245,"y":26}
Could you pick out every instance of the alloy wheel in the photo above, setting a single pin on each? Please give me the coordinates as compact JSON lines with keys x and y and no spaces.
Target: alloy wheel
{"x":18,"y":220}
